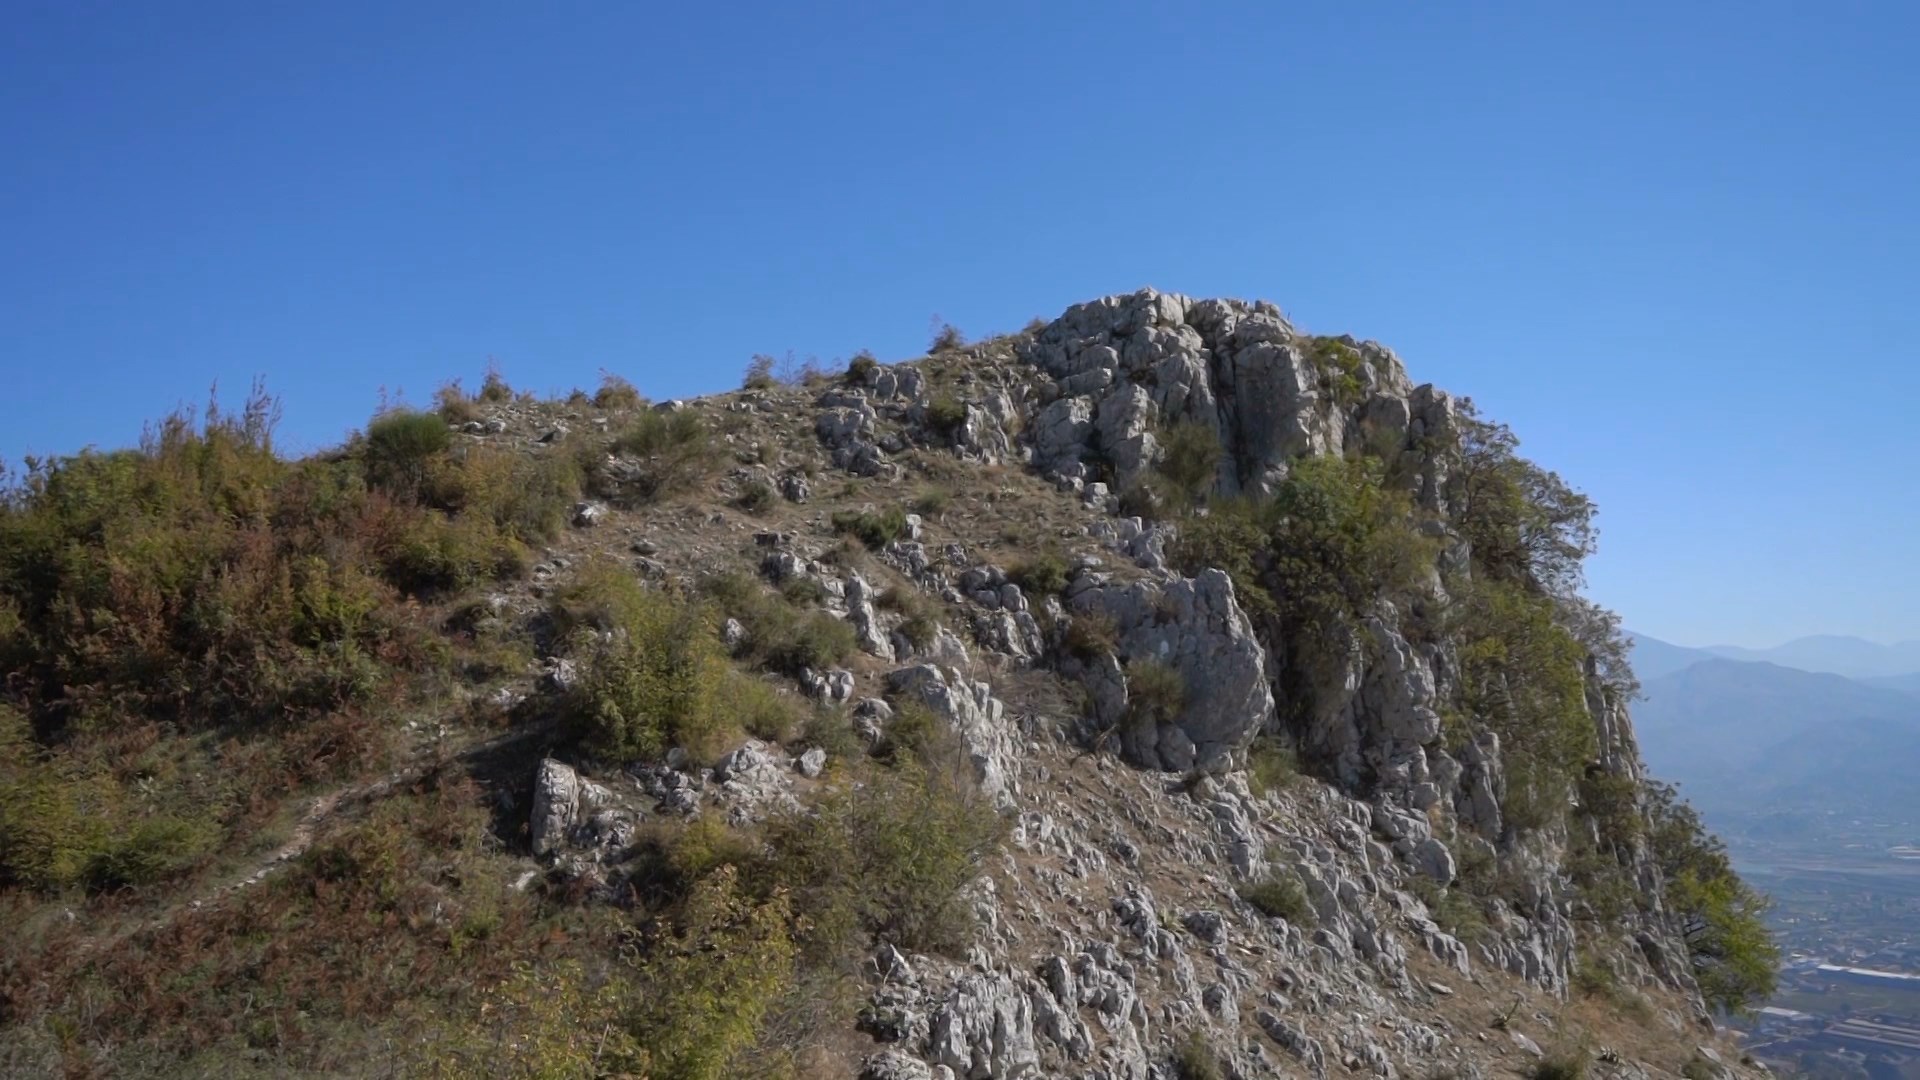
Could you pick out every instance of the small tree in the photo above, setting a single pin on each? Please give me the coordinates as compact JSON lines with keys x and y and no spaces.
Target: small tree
{"x":759,"y":374}
{"x":1189,"y":461}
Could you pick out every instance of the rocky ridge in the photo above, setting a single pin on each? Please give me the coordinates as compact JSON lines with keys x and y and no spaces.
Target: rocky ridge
{"x":1114,"y":924}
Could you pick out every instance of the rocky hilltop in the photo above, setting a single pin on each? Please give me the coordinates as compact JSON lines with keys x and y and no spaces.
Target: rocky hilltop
{"x":1159,"y":692}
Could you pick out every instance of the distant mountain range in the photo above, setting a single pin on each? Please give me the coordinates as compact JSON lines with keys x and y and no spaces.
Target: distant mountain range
{"x":1832,"y":653}
{"x":1746,"y":737}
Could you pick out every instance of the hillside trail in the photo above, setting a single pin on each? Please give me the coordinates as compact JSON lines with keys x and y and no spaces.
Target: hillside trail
{"x":425,"y":755}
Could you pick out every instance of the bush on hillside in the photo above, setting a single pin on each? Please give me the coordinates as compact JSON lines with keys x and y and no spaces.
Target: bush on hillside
{"x":402,"y":447}
{"x":874,"y":528}
{"x":1189,"y":462}
{"x":886,"y":860}
{"x":651,"y":670}
{"x":616,"y":393}
{"x":947,"y":338}
{"x":1040,"y":575}
{"x":759,"y":374}
{"x":1280,"y":895}
{"x":780,"y":635}
{"x":676,"y":450}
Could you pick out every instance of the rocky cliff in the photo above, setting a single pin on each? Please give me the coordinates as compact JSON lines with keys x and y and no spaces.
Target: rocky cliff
{"x":1187,"y":695}
{"x":1116,"y":924}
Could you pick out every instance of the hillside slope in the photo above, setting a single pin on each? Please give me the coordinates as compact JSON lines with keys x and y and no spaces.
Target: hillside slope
{"x":1158,"y":692}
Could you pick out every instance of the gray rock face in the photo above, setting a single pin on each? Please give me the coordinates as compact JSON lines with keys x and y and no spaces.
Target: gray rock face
{"x":869,"y":633}
{"x":895,"y":1065}
{"x":556,"y":806}
{"x":1196,"y":627}
{"x":1124,"y":365}
{"x":984,"y":1030}
{"x":976,"y":716}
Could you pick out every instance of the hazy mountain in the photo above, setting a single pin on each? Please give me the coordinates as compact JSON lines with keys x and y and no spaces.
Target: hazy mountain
{"x":1738,"y":735}
{"x":1653,"y":658}
{"x":1906,"y":684}
{"x":1833,"y":653}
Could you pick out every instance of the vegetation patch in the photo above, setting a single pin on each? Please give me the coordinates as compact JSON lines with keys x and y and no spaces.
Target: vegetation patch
{"x":1044,"y":574}
{"x":1280,"y":895}
{"x":780,"y":635}
{"x":874,"y":528}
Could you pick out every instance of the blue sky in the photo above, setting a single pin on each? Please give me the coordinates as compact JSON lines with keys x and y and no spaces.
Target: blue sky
{"x":1672,"y":245}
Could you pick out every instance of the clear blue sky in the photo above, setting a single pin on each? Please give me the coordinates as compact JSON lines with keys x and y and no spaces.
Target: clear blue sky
{"x":1673,"y":245}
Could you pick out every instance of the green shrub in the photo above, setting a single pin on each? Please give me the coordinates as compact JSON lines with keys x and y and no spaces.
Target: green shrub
{"x":616,"y":393}
{"x":1339,"y":366}
{"x":1044,"y":574}
{"x":763,"y":711}
{"x":401,"y":448}
{"x":1721,"y":918}
{"x":1271,"y":766}
{"x":921,"y":621}
{"x":832,"y":730}
{"x":759,"y":374}
{"x":915,"y":734}
{"x":1453,"y":909}
{"x":932,"y":502}
{"x":946,"y":414}
{"x":947,"y":339}
{"x":874,"y":528}
{"x":454,"y":406}
{"x":756,"y":498}
{"x":1522,"y":676}
{"x":1279,"y":895}
{"x":1565,"y":1065}
{"x":1156,"y":693}
{"x":649,"y":681}
{"x":1189,"y":461}
{"x":705,"y":983}
{"x":779,"y":636}
{"x":862,"y":368}
{"x":494,"y":389}
{"x":1196,"y":1058}
{"x":1091,"y":635}
{"x":888,"y":859}
{"x":677,"y":448}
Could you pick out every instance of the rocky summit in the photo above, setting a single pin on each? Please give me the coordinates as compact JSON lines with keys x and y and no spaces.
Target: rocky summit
{"x":1160,"y":692}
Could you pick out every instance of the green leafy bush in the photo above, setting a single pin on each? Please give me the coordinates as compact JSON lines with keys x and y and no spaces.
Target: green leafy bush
{"x":759,"y":374}
{"x":1522,"y":676}
{"x":1091,"y":635}
{"x":454,"y":406}
{"x":1044,"y":574}
{"x":1339,"y":366}
{"x":402,"y":447}
{"x":779,"y":635}
{"x":493,"y":388}
{"x":947,"y":339}
{"x":756,"y":498}
{"x":1279,"y":895}
{"x":651,"y":678}
{"x":1156,"y":693}
{"x":1722,"y":919}
{"x":1271,"y":766}
{"x":1189,"y":461}
{"x":932,"y":502}
{"x":946,"y":414}
{"x":1565,"y":1065}
{"x":1196,"y":1058}
{"x":616,"y":393}
{"x":874,"y":528}
{"x":862,"y":368}
{"x":887,"y":859}
{"x":677,"y":451}
{"x":706,"y":981}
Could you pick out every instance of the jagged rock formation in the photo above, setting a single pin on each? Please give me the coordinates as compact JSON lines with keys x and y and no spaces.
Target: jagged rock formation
{"x":1118,"y":924}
